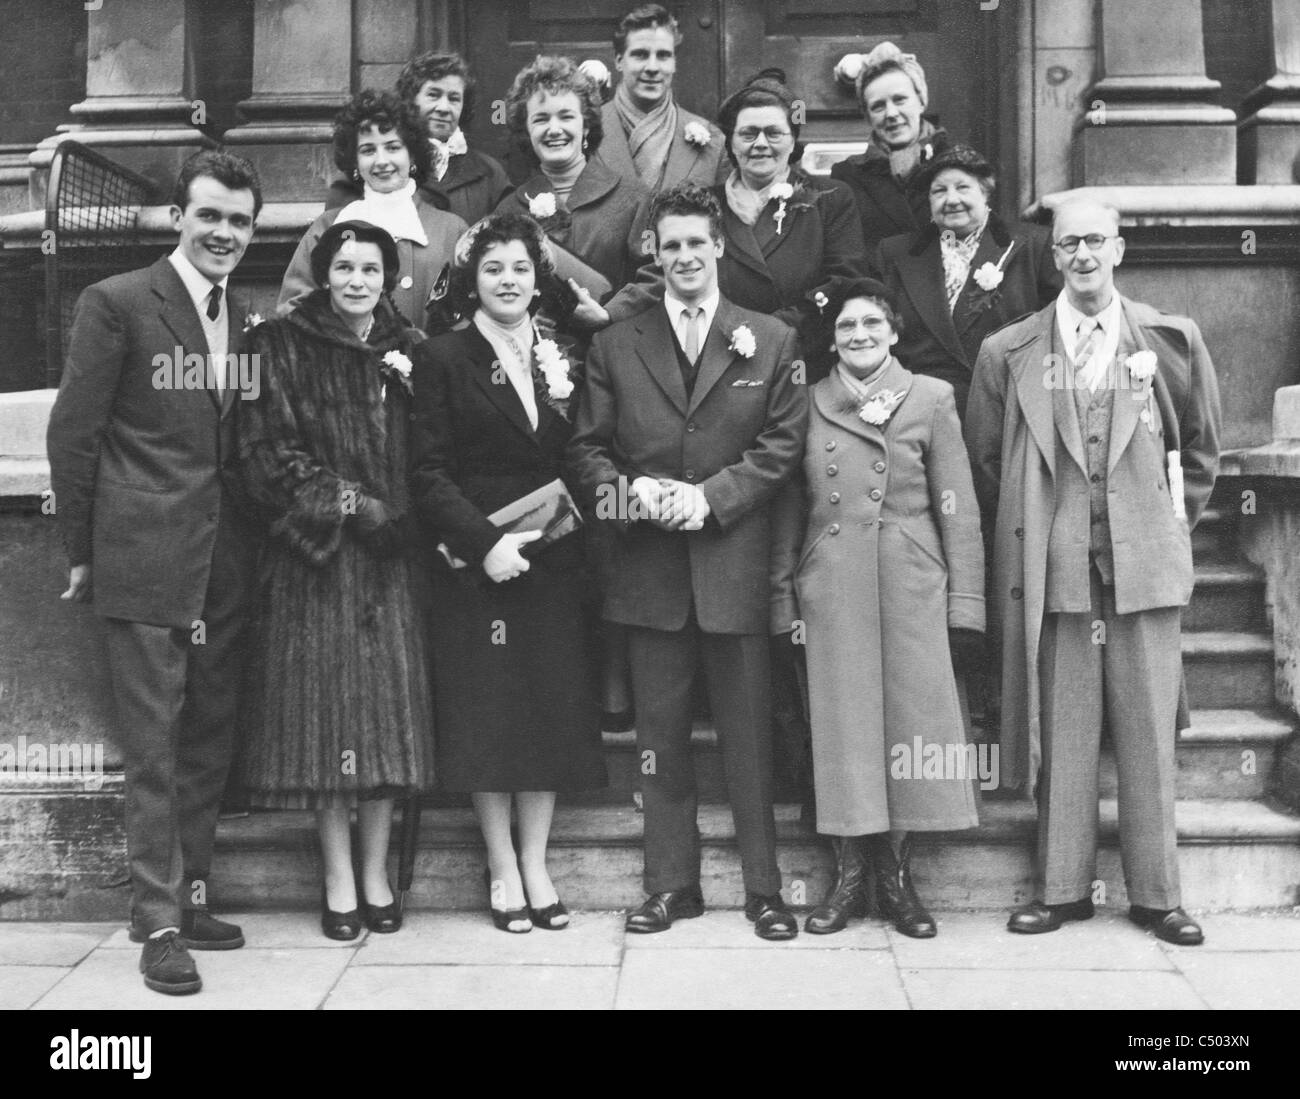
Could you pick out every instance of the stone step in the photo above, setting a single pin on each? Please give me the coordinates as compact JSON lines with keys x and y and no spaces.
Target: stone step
{"x":1233,"y":854}
{"x":1228,"y":669}
{"x":1228,"y":595}
{"x":1215,"y":536}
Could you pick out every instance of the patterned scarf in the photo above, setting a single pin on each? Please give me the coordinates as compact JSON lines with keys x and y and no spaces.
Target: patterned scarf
{"x":902,"y":162}
{"x":443,"y":151}
{"x":745,"y":203}
{"x":957,"y":258}
{"x":649,"y":135}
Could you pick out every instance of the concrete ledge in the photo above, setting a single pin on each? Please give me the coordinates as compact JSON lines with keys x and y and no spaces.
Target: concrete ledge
{"x":1188,"y":205}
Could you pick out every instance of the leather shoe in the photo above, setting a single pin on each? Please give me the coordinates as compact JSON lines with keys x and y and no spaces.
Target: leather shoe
{"x":203,"y":931}
{"x":1173,"y":924}
{"x":1036,"y":918}
{"x":659,"y":910}
{"x":168,"y":967}
{"x":772,"y":920}
{"x":383,"y":919}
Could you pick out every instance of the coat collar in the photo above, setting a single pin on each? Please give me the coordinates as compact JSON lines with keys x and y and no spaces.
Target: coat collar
{"x":922,"y":277}
{"x":499,"y":390}
{"x":716,"y":354}
{"x":742,"y":244}
{"x":595,"y":182}
{"x":657,"y":349}
{"x":461,"y":172}
{"x":831,"y":399}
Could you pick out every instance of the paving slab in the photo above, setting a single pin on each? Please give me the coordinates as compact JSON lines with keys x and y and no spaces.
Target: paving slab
{"x":476,"y":987}
{"x":248,"y":978}
{"x":470,"y":938}
{"x":50,"y":943}
{"x":1048,"y":989}
{"x":980,"y":940}
{"x":1243,"y":981}
{"x":759,"y":978}
{"x":22,"y":985}
{"x":1232,"y":931}
{"x":731,"y":931}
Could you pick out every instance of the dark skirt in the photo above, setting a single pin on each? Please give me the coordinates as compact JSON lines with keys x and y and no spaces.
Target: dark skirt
{"x":514,"y":703}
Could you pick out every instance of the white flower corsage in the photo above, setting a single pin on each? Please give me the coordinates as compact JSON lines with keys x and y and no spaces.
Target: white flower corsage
{"x":928,"y":152}
{"x":543,"y":205}
{"x":396,"y":365}
{"x":988,"y":277}
{"x":784,"y":192}
{"x":821,"y":301}
{"x":252,"y":321}
{"x":743,"y":342}
{"x":880,"y":407}
{"x":554,"y":368}
{"x":696,"y":133}
{"x":596,"y":71}
{"x":1141,"y":365}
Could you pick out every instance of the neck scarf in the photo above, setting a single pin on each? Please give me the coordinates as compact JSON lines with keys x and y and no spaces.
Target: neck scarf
{"x":394,"y":212}
{"x":514,"y":348}
{"x":957,"y":257}
{"x":745,"y":202}
{"x":649,"y":135}
{"x":861,"y":388}
{"x":902,"y":162}
{"x":443,"y":151}
{"x":562,"y":179}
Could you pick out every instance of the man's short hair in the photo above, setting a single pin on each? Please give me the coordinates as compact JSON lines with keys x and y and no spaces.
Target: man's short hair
{"x":434,"y":66}
{"x":1083,"y":200}
{"x":231,"y":171}
{"x":687,"y":200}
{"x":646,"y":17}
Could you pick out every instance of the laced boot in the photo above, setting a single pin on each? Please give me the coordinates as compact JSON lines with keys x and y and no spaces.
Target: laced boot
{"x":848,"y":896}
{"x":895,"y":894}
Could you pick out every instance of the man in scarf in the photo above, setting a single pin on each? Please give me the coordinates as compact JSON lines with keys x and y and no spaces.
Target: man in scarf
{"x":647,"y":135}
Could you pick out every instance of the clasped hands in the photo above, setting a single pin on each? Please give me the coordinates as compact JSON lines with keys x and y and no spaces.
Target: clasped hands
{"x":671,"y":505}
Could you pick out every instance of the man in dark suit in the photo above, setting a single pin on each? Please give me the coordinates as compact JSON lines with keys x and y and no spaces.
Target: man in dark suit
{"x":691,"y":420}
{"x":138,"y":440}
{"x":1093,"y":431}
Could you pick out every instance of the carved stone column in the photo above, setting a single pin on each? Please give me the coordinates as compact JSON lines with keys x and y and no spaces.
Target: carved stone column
{"x":1268,"y":140}
{"x":1148,"y":118}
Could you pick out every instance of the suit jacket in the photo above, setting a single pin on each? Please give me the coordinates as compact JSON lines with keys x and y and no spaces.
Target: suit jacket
{"x":703,"y":165}
{"x":420,"y":265}
{"x":945,"y":344}
{"x":885,"y":205}
{"x":1012,"y":433}
{"x":137,"y":466}
{"x":473,"y":186}
{"x":473,"y":450}
{"x":738,"y":437}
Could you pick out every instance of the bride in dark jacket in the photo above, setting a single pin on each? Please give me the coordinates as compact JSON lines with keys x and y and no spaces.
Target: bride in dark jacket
{"x":338,"y":708}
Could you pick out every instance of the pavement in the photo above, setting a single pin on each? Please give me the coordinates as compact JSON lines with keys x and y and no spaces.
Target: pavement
{"x":458,"y":960}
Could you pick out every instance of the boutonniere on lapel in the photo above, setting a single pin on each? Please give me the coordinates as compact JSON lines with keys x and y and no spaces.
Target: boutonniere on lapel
{"x":252,"y":321}
{"x":782,"y":192}
{"x":545,"y":209}
{"x":397,"y":368}
{"x":696,"y":133}
{"x":743,"y":342}
{"x":553,"y":375}
{"x":988,"y":277}
{"x":1141,"y":367}
{"x":877,"y":408}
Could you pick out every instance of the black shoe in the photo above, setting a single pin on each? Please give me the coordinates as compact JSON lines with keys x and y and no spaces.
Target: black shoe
{"x":502,"y":919}
{"x":554,"y":917}
{"x":1173,"y":924}
{"x":168,"y":967}
{"x":848,"y":896}
{"x":203,"y":931}
{"x":383,"y":919}
{"x":1037,"y":918}
{"x":772,"y":920}
{"x":340,"y":926}
{"x":895,"y":894}
{"x":658,"y":911}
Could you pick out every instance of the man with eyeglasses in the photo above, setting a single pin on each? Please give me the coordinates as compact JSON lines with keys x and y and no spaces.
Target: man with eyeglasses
{"x":1093,"y":430}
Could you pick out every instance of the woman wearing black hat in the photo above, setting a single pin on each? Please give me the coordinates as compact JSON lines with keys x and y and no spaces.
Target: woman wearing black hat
{"x":965,"y":274}
{"x":338,"y":708}
{"x":878,"y":554}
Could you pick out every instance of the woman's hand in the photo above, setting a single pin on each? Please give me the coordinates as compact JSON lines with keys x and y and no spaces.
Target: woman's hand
{"x":504,"y":561}
{"x":588,"y":313}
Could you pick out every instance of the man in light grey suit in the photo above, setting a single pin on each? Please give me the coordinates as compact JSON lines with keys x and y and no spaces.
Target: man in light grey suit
{"x":1093,"y":430}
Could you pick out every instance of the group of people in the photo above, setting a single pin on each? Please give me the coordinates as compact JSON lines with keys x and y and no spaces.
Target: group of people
{"x":781,"y":423}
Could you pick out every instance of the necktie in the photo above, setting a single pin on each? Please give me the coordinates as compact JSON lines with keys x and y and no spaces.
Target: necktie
{"x":214,"y":303}
{"x":691,"y":340}
{"x":1085,"y":350}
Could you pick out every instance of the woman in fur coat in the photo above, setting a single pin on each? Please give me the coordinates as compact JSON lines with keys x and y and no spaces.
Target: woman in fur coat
{"x":338,"y":711}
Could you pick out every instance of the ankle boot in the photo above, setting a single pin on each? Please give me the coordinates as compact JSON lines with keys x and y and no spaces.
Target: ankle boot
{"x":895,"y":894}
{"x":848,"y":895}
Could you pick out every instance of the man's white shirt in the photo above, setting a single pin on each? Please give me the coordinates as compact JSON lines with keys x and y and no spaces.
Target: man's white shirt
{"x":200,"y":287}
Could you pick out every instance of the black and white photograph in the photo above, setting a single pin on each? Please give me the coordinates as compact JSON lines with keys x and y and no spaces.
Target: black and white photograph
{"x":723,"y":505}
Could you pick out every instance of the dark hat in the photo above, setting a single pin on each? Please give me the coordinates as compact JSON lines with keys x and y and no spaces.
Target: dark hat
{"x":331,"y":240}
{"x":971,"y":161}
{"x":830,"y":296}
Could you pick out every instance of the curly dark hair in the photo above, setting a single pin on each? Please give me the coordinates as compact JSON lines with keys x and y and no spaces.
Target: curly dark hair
{"x":645,"y":18}
{"x":434,"y":66}
{"x":482,"y":235}
{"x":555,"y":76}
{"x":337,"y":234}
{"x":232,"y":172}
{"x":765,"y":89}
{"x":385,"y":111}
{"x":684,"y":200}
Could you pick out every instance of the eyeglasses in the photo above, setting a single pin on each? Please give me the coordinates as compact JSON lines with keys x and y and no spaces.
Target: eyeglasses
{"x":774,"y":135}
{"x":1094,"y":241}
{"x":872,"y":324}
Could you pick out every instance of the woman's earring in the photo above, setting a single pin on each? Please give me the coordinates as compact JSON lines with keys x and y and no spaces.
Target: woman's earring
{"x":584,"y":143}
{"x":356,"y":175}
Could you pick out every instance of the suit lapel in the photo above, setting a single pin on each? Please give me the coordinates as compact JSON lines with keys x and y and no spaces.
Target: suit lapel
{"x":1029,"y":364}
{"x":682,"y":155}
{"x":656,"y":347}
{"x":490,"y":376}
{"x":182,"y":320}
{"x":595,"y":182}
{"x":1128,"y":403}
{"x":742,"y":245}
{"x":716,"y":354}
{"x":235,"y":317}
{"x":1063,"y":405}
{"x":989,"y":251}
{"x":922,"y":275}
{"x":614,"y":152}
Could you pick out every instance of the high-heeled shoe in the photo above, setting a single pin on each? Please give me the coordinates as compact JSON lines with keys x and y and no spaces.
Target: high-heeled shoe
{"x":340,"y":926}
{"x":503,"y":919}
{"x":554,"y":917}
{"x":383,"y":919}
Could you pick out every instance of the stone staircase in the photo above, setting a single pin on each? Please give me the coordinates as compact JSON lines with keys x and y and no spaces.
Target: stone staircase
{"x":1238,"y":848}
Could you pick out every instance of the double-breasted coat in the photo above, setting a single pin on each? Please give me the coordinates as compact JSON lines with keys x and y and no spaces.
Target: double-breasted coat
{"x":942,"y":343}
{"x":878,"y":554}
{"x":885,"y":204}
{"x":1012,"y":438}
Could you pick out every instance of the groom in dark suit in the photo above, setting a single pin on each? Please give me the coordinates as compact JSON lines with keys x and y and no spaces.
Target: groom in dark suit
{"x":138,"y":442}
{"x":692,"y":418}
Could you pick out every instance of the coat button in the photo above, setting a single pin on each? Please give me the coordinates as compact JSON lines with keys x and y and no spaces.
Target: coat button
{"x":1094,"y":439}
{"x":835,"y":497}
{"x":407,"y":282}
{"x":1017,"y":593}
{"x":834,"y":529}
{"x":1020,"y":532}
{"x":876,"y":494}
{"x":690,"y":426}
{"x":831,"y":470}
{"x":689,"y":475}
{"x":830,"y":445}
{"x":1095,"y":478}
{"x":879,"y":467}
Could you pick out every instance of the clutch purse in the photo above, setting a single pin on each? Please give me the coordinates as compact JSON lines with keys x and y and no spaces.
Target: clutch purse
{"x":549,"y":509}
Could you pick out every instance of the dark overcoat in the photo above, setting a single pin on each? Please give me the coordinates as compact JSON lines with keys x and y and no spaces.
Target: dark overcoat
{"x":886,"y":205}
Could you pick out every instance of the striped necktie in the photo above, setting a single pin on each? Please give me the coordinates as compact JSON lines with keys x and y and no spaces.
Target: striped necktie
{"x":1088,"y":371}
